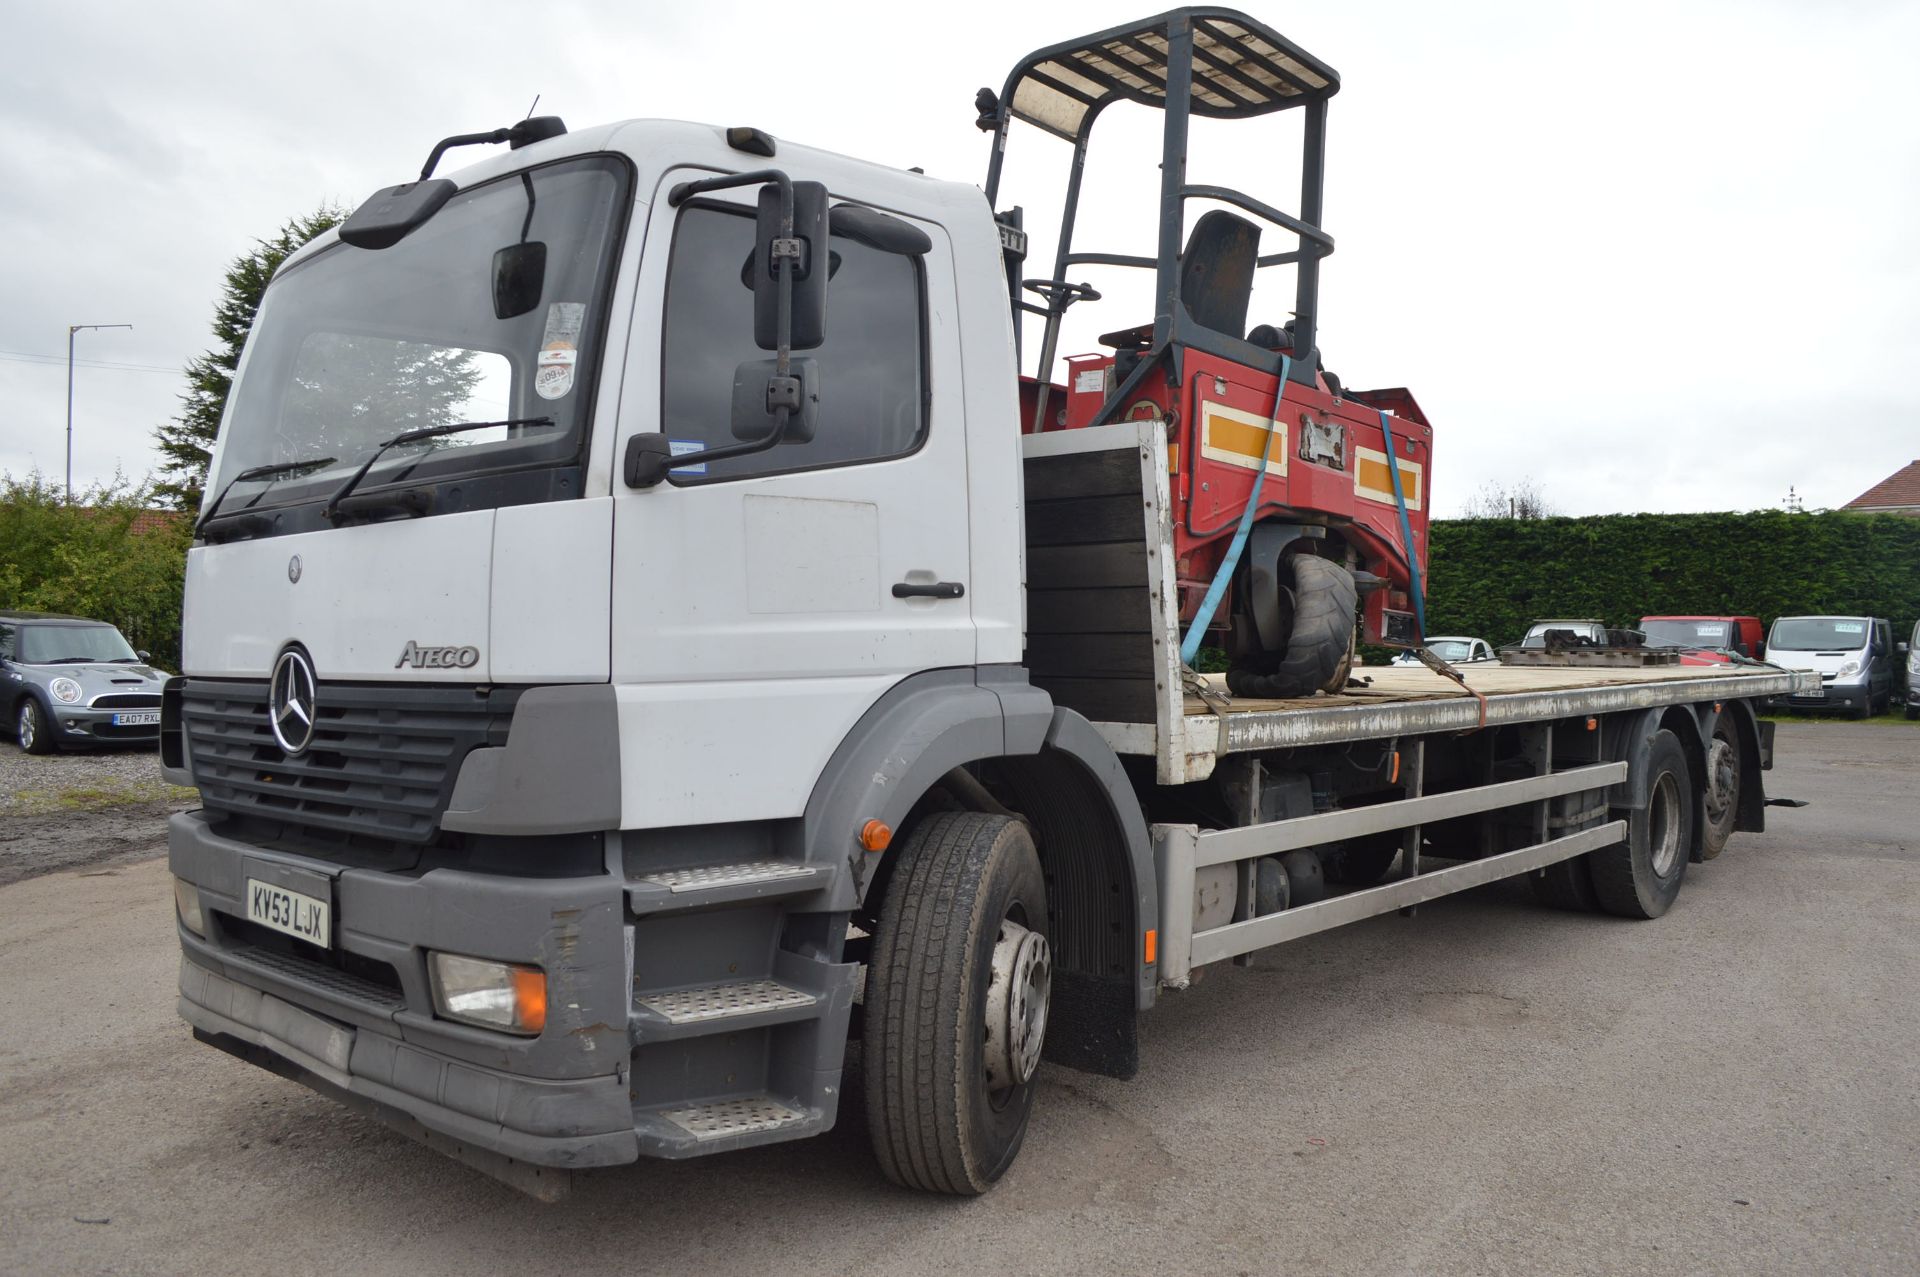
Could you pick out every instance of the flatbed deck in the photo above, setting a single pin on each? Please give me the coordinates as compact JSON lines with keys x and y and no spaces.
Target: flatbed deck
{"x":1411,"y":700}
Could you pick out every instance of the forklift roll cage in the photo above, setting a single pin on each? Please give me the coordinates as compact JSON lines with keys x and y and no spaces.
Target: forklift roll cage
{"x":1209,"y":61}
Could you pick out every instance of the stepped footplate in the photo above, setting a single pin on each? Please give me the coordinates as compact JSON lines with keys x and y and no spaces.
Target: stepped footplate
{"x":705,"y":876}
{"x":743,"y":1116}
{"x":721,"y":1001}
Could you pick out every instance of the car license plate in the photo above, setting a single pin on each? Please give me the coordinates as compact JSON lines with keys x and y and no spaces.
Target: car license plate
{"x":298,"y":915}
{"x":141,"y":718}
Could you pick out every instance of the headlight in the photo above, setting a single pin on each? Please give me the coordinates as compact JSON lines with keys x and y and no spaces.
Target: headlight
{"x":1849,"y":667}
{"x":186,"y":900}
{"x":64,"y":690}
{"x":497,"y":995}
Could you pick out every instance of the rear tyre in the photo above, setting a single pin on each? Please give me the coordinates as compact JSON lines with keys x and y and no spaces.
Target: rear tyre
{"x":1641,"y":877}
{"x":956,"y":1004}
{"x":1721,"y":801}
{"x":34,"y":730}
{"x":1320,"y":643}
{"x":1566,"y":885}
{"x":1363,"y":861}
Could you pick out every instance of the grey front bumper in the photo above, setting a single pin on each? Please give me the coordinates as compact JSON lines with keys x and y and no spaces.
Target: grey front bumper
{"x":559,"y":1099}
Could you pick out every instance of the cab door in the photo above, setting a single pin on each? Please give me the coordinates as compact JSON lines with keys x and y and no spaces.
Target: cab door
{"x":762,"y":604}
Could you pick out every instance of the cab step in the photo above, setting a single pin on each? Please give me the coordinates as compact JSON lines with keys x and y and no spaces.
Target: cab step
{"x":718,"y":1008}
{"x":715,"y":1126}
{"x":723,"y":884}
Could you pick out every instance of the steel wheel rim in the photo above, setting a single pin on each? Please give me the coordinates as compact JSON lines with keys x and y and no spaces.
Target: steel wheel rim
{"x":1019,"y":993}
{"x":1722,"y":779}
{"x":1663,"y":825}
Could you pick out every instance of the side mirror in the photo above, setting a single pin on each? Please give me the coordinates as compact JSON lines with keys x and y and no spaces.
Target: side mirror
{"x":519,"y":276}
{"x":1901,"y":648}
{"x":754,"y":394}
{"x":809,"y":301}
{"x":143,"y":654}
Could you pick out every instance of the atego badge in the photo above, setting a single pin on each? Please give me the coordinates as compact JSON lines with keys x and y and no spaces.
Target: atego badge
{"x":438,"y":658}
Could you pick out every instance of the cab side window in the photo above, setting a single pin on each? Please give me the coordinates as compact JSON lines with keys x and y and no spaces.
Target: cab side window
{"x":872,"y":365}
{"x":6,"y":643}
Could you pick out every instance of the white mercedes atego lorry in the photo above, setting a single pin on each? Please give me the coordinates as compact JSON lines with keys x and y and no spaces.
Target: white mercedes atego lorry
{"x":645,"y":634}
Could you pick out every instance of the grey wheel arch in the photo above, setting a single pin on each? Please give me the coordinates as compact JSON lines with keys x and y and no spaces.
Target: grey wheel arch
{"x":1630,"y":737}
{"x":1058,"y":771}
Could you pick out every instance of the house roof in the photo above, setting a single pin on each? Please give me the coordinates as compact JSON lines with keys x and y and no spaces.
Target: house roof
{"x":1898,"y":491}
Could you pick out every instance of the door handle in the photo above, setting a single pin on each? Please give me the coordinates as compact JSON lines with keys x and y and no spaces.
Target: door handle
{"x":928,"y":590}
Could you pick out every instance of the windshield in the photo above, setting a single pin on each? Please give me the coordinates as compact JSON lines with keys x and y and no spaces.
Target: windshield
{"x":353,"y":346}
{"x":1450,"y":649}
{"x":59,"y":644}
{"x":1818,"y":634}
{"x":1686,"y":633}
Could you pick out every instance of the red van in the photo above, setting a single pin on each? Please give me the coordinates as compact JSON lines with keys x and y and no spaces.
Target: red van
{"x":1708,"y":639}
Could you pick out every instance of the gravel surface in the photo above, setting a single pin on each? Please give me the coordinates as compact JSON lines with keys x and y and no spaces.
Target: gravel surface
{"x":69,"y":811}
{"x":1487,"y":1088}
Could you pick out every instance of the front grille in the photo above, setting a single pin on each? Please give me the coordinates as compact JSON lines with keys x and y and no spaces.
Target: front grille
{"x":127,"y":700}
{"x":382,"y":764}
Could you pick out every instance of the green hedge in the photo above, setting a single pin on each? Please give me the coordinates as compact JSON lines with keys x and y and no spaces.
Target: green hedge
{"x":86,"y":559}
{"x":1491,"y":577}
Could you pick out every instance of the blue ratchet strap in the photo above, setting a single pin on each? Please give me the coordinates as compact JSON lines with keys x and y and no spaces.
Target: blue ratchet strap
{"x":1406,"y":526}
{"x":1190,"y":646}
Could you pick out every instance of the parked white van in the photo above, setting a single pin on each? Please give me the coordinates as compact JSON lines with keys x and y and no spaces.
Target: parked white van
{"x":1854,"y":656}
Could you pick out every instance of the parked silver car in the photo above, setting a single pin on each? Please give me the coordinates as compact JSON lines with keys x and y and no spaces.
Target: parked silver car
{"x":65,"y":680}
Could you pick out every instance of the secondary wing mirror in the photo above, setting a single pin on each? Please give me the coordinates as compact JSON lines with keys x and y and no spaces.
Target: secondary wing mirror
{"x":519,"y":275}
{"x":520,"y":270}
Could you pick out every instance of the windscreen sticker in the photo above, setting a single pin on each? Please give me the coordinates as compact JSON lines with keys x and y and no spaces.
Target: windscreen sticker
{"x":1849,"y":627}
{"x":559,"y":350}
{"x":680,"y":448}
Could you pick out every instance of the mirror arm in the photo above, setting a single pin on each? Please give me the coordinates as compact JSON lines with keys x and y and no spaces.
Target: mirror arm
{"x":646,"y":465}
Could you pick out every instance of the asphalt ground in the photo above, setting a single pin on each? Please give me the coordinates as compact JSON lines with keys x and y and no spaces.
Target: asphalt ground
{"x":1487,"y":1088}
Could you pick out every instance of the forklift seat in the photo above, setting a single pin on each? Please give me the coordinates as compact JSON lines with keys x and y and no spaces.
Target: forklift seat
{"x":1216,"y":271}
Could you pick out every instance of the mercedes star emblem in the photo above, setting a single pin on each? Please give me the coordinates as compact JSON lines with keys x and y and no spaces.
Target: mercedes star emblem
{"x":293,"y":569}
{"x":290,"y":701}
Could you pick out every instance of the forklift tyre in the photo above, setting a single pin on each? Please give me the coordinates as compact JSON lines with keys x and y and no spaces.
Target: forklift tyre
{"x":956,"y":1003}
{"x":1640,"y":878}
{"x":1320,"y":644}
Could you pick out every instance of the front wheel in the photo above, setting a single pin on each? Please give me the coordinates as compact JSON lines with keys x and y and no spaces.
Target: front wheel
{"x":956,"y":1003}
{"x":35,"y":733}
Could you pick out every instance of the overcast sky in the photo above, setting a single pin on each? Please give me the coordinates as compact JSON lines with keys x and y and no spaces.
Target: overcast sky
{"x":1658,"y":256}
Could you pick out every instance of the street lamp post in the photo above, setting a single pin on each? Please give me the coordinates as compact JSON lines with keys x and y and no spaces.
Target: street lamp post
{"x":71,"y":330}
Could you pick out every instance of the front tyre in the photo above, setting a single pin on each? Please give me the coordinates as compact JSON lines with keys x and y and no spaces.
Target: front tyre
{"x":34,"y":730}
{"x":956,"y":1003}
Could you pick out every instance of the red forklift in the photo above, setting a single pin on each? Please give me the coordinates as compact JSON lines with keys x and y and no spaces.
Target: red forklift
{"x":1297,"y":500}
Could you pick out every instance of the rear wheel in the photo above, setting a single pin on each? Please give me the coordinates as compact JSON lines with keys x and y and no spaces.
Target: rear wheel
{"x":1722,"y":797}
{"x":956,"y":1003}
{"x":1641,"y":877}
{"x":1320,"y":640}
{"x":34,"y":731}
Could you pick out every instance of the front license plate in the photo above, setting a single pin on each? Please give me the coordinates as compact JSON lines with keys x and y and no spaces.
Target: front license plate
{"x":298,"y":915}
{"x":143,"y":718}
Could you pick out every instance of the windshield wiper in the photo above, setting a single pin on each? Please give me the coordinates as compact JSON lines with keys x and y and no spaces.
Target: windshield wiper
{"x":414,"y":436}
{"x":259,"y":472}
{"x":69,"y":660}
